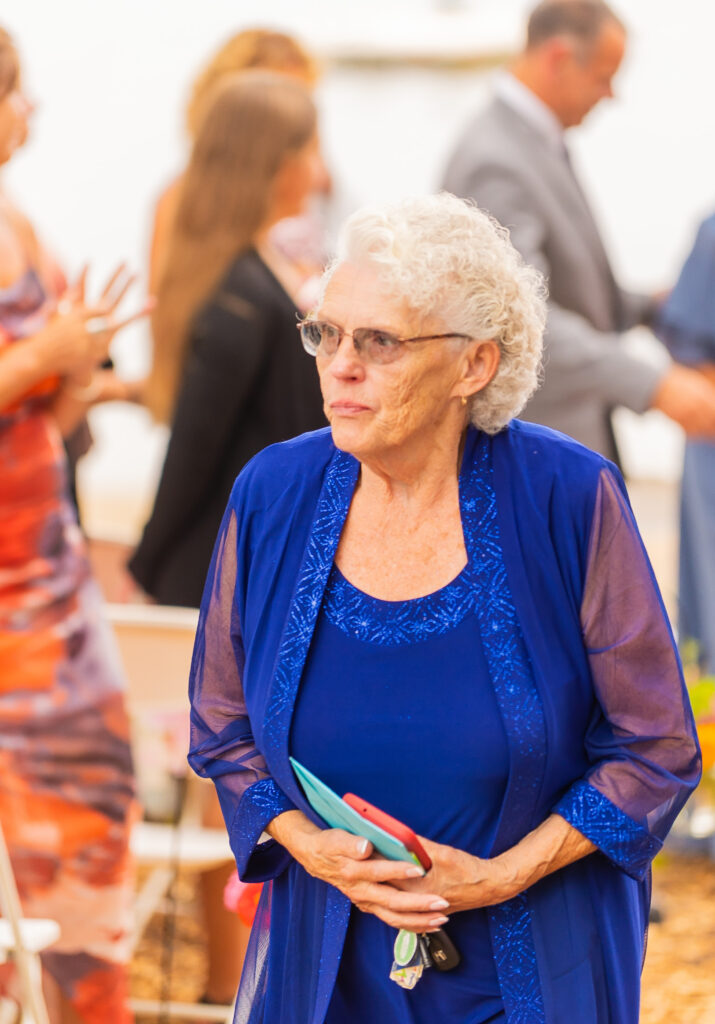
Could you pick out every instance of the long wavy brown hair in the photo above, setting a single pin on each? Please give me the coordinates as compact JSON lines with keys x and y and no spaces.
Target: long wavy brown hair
{"x":254,"y":121}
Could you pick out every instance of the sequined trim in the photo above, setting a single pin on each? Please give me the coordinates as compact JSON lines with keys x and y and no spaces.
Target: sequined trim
{"x":258,"y":806}
{"x":523,"y":717}
{"x":392,"y":623}
{"x":622,"y":839}
{"x":320,"y":550}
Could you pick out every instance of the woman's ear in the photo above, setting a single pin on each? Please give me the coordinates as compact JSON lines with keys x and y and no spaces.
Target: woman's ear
{"x":481,"y":362}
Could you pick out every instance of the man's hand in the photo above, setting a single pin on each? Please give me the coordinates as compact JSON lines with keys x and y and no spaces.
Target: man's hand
{"x":688,"y":398}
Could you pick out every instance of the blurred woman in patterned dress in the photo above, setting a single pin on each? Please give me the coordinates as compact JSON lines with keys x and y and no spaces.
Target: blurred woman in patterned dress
{"x":66,"y":784}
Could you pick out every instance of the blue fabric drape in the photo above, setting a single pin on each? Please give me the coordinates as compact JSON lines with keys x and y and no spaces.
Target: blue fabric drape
{"x":572,"y":679}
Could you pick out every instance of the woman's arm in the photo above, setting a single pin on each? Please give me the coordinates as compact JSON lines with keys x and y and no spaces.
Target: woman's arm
{"x":641,"y":739}
{"x":71,"y":346}
{"x":223,"y":749}
{"x":466,"y":882}
{"x":73,"y":401}
{"x":64,"y":346}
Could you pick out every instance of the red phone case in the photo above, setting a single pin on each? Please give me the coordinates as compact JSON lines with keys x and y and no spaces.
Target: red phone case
{"x":391,"y":825}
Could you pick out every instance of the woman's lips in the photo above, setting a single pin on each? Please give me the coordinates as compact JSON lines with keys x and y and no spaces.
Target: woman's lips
{"x":348,"y":408}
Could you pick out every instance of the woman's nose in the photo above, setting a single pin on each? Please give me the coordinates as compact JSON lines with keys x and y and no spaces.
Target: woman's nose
{"x":346,"y":361}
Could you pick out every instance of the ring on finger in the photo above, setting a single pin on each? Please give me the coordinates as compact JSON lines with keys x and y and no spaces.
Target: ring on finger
{"x":97,"y":325}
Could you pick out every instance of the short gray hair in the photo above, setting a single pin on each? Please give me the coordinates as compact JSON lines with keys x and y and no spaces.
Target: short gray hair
{"x":448,"y":259}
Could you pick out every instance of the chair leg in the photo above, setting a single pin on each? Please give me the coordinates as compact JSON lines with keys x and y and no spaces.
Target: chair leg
{"x":29,"y":970}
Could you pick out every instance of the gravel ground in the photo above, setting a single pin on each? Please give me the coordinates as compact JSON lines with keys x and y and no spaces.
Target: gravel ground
{"x":678,"y":980}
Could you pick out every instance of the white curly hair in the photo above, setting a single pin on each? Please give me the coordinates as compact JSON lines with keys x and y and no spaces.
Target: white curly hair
{"x":449,"y":260}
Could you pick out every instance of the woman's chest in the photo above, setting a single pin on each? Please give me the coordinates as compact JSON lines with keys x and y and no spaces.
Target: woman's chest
{"x":398,"y":559}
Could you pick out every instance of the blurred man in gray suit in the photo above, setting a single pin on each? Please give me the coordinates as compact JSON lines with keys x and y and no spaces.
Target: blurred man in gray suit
{"x":513,"y":161}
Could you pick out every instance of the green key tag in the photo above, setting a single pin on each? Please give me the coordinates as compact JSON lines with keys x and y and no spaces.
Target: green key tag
{"x":405,"y":947}
{"x":408,"y":964}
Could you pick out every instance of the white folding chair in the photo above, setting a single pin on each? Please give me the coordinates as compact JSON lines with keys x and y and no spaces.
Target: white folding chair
{"x":22,"y":940}
{"x":155,"y":645}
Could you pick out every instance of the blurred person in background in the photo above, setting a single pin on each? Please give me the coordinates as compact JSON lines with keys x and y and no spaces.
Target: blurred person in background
{"x":450,"y":613}
{"x":66,"y":780}
{"x":298,"y":240}
{"x":513,"y":161}
{"x":225,"y":301}
{"x":686,"y":324}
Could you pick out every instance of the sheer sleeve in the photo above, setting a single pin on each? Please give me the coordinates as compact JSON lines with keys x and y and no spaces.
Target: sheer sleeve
{"x":641,"y":740}
{"x":222,"y":745}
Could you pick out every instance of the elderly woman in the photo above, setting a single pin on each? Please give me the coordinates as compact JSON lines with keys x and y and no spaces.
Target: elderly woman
{"x":451,"y":614}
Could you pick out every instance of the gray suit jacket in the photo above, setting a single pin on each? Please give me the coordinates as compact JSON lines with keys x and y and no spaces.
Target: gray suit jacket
{"x":509,"y":169}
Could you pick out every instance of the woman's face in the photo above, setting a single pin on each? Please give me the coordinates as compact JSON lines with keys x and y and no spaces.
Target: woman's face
{"x":15,"y":112}
{"x":297,"y":178}
{"x":378,"y":409}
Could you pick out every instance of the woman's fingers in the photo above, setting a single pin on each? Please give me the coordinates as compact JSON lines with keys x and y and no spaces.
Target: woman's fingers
{"x":379,"y":870}
{"x":116,"y":288}
{"x":138,"y":315}
{"x":76,"y":292}
{"x":102,"y":328}
{"x":414,"y":911}
{"x":391,"y":899}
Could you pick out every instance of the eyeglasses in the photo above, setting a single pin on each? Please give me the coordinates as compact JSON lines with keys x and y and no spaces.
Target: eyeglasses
{"x":374,"y":346}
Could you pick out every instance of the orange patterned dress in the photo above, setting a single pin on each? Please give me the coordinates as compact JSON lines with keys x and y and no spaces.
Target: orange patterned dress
{"x":66,"y":782}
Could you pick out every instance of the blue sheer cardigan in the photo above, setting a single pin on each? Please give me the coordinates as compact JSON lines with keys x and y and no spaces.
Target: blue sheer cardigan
{"x":588,"y":683}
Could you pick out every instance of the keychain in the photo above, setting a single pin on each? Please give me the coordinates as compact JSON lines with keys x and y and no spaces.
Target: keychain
{"x":411,"y":957}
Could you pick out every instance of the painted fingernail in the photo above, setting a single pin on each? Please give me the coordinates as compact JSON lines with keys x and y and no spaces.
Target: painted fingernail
{"x":416,"y":872}
{"x":437,"y":922}
{"x":439,"y":905}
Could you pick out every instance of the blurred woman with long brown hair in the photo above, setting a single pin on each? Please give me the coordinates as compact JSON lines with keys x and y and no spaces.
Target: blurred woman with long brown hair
{"x":224,"y":306}
{"x":249,"y":50}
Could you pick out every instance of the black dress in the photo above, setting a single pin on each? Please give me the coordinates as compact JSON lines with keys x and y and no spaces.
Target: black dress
{"x":247,"y":384}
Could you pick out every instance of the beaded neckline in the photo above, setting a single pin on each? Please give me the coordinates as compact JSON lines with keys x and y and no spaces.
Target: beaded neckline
{"x":391,"y":623}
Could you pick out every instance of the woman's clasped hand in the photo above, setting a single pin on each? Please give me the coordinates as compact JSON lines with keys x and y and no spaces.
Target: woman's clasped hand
{"x":371,"y":883}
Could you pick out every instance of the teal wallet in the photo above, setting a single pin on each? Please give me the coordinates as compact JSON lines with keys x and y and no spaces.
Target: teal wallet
{"x":337,"y":814}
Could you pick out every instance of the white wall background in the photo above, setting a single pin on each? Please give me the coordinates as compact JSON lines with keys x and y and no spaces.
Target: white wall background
{"x":110,"y":82}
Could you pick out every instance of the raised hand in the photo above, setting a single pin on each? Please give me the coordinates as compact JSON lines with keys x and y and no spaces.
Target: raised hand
{"x":77,"y":337}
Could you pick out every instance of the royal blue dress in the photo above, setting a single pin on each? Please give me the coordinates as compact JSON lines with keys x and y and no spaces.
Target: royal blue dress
{"x":402,"y":731}
{"x":589,"y":692}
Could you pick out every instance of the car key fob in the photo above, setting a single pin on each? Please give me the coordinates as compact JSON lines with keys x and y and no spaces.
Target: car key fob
{"x":445,"y":956}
